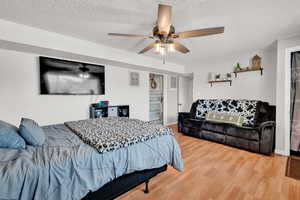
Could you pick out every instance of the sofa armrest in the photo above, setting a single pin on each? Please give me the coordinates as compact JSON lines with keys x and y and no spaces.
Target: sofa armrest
{"x":267,"y":134}
{"x":185,"y":114}
{"x":182,"y":118}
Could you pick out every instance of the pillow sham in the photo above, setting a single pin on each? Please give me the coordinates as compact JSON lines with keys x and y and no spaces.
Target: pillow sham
{"x":9,"y":137}
{"x":32,"y":132}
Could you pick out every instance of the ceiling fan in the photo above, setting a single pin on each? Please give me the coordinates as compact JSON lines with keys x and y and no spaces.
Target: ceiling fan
{"x":165,"y":36}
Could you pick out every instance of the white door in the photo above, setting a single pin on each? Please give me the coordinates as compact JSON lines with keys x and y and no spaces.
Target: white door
{"x":185,"y":93}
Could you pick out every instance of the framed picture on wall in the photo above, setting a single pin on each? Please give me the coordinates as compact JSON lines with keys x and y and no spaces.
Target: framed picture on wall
{"x":134,"y":78}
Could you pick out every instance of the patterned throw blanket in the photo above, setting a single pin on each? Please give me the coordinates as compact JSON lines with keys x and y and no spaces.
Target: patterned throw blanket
{"x":112,"y":133}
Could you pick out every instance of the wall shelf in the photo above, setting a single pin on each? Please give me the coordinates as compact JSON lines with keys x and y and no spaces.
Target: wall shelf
{"x":220,"y":81}
{"x":248,"y":70}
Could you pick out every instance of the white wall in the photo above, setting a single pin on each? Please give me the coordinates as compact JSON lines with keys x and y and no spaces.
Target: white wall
{"x":249,"y":85}
{"x":285,"y":47}
{"x":171,"y":104}
{"x":19,"y":37}
{"x":185,"y":93}
{"x":19,"y":93}
{"x":19,"y":85}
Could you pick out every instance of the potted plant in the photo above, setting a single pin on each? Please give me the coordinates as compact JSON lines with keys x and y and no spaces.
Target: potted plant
{"x":238,"y":67}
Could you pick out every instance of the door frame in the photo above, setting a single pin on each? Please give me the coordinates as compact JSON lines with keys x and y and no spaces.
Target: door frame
{"x":164,"y":110}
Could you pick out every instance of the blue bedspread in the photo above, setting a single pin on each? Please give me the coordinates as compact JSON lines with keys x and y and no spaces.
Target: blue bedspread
{"x":66,"y":168}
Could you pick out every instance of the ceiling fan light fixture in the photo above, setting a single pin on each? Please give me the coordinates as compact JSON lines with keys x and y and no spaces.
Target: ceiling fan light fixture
{"x":171,"y":47}
{"x":157,"y":47}
{"x":162,"y":50}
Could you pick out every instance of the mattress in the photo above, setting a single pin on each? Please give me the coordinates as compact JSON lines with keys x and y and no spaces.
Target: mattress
{"x":66,"y":168}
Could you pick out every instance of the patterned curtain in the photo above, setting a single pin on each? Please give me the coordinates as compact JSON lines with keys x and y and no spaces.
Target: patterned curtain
{"x":295,"y":102}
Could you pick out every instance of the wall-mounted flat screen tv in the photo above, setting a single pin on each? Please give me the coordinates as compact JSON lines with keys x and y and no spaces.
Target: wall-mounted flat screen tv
{"x":63,"y":77}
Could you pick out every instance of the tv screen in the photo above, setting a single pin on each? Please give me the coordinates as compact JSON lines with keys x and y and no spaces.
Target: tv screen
{"x":63,"y":77}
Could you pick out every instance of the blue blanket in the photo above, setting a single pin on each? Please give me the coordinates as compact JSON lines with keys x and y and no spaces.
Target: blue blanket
{"x":66,"y":168}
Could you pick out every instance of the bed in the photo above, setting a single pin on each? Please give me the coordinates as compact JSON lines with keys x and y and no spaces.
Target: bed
{"x":65,"y":167}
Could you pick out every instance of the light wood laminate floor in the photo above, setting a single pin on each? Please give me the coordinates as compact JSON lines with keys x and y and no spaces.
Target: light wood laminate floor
{"x":218,"y":172}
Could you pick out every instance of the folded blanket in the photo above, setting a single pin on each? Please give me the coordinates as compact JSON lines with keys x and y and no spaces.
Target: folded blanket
{"x":112,"y":133}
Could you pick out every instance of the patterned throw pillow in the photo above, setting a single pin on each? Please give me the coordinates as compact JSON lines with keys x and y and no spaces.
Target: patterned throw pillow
{"x":225,"y":117}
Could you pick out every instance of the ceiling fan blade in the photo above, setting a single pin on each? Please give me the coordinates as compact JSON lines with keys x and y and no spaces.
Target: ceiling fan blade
{"x":147,"y":48}
{"x":199,"y":32}
{"x":130,"y":35}
{"x":164,"y":19}
{"x":179,"y":47}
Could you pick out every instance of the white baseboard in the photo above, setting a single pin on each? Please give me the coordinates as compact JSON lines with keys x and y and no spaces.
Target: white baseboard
{"x":171,"y":123}
{"x":281,"y":152}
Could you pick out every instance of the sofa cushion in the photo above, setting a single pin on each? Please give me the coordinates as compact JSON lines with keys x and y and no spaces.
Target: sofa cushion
{"x":195,"y":132}
{"x":197,"y":122}
{"x":213,"y":136}
{"x":242,"y":132}
{"x":242,"y":143}
{"x":214,"y":126}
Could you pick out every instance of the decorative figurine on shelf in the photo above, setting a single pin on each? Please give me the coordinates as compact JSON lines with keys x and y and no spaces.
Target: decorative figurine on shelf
{"x":228,"y":76}
{"x":238,"y":67}
{"x":256,"y":62}
{"x":217,"y":77}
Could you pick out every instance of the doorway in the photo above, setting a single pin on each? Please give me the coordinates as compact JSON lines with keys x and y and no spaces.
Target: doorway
{"x":156,"y":98}
{"x":185,"y":93}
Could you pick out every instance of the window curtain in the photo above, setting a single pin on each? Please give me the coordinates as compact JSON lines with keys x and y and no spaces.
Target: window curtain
{"x":295,"y":102}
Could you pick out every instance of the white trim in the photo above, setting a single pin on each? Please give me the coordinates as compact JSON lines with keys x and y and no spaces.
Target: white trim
{"x":165,"y":84}
{"x":280,"y":152}
{"x":172,"y":123}
{"x":287,"y":94}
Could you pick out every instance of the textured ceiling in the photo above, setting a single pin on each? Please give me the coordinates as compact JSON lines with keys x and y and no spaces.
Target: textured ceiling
{"x":249,"y":24}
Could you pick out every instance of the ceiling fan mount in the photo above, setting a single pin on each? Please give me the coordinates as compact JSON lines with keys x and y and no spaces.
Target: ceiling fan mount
{"x":158,"y":34}
{"x":164,"y":33}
